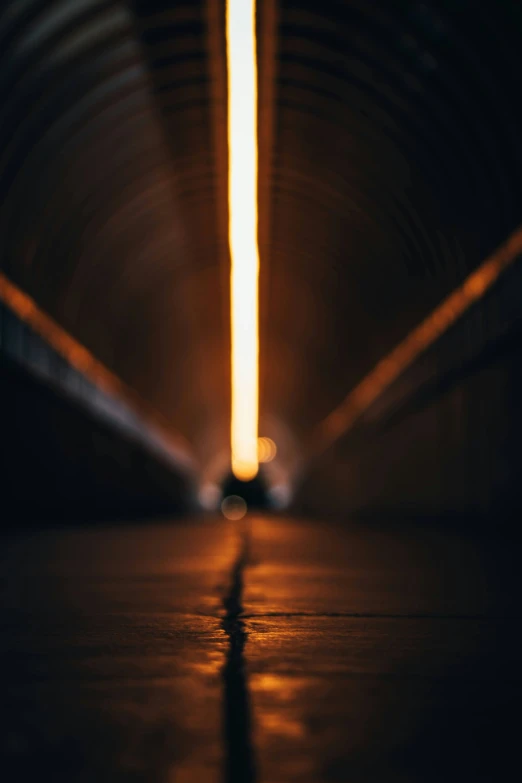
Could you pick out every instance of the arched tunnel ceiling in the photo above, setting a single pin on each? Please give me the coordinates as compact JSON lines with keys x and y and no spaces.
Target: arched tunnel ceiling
{"x":390,"y":166}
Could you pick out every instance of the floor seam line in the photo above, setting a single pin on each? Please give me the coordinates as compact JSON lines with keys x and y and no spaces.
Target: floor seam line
{"x":239,"y":753}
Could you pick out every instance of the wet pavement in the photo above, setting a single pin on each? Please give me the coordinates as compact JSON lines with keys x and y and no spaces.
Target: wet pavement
{"x":276,"y":650}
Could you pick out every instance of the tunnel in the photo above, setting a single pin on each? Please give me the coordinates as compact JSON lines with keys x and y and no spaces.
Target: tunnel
{"x":389,"y":232}
{"x":114,"y":221}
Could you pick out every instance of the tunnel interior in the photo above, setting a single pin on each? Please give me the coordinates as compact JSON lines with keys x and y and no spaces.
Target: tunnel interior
{"x":389,"y":171}
{"x":352,"y":613}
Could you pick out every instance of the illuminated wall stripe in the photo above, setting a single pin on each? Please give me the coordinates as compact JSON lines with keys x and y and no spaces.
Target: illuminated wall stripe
{"x":82,"y":360}
{"x":340,"y":421}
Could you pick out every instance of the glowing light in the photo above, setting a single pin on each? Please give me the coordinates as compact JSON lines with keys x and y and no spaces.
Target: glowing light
{"x":266,"y":449}
{"x":234,"y":507}
{"x":244,"y":253}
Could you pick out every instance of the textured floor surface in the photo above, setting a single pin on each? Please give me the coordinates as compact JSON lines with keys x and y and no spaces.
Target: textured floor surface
{"x":276,"y":651}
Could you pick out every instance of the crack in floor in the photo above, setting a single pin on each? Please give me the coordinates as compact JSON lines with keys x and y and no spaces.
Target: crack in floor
{"x":378,"y":615}
{"x":237,"y":723}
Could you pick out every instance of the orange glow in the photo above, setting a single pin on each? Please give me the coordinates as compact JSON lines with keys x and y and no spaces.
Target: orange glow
{"x":415,"y":343}
{"x":234,"y":507}
{"x":266,"y":449}
{"x":244,"y":252}
{"x":82,"y":360}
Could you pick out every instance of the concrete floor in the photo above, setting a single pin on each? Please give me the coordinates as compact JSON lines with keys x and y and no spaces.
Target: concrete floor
{"x":275,"y":651}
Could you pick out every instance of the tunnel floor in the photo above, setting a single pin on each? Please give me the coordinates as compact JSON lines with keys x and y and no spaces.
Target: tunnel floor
{"x":270,"y":650}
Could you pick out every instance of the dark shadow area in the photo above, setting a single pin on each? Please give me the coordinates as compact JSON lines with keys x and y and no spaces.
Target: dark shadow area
{"x":457,"y":727}
{"x":62,"y":465}
{"x":253,"y":492}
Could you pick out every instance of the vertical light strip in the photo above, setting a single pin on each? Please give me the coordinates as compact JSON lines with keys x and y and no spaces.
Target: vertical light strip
{"x":244,"y":252}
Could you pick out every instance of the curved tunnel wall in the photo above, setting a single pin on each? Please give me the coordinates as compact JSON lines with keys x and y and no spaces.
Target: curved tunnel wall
{"x":396,"y":171}
{"x":107,"y":220}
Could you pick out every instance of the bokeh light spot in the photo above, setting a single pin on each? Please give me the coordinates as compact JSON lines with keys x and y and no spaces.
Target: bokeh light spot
{"x":233,"y":507}
{"x":266,"y":449}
